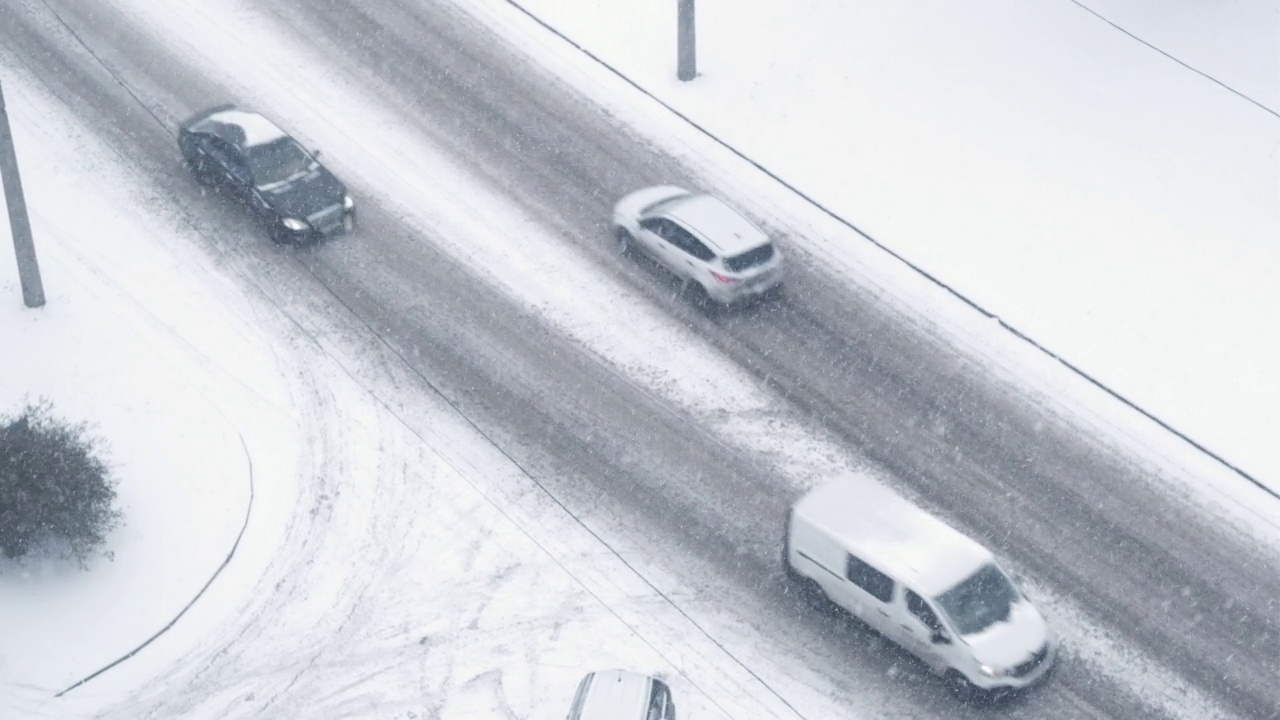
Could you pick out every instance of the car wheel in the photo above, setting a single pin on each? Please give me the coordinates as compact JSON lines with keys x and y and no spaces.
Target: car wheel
{"x":957,"y":684}
{"x":279,"y":235}
{"x":701,"y":299}
{"x":787,"y":568}
{"x":624,"y":240}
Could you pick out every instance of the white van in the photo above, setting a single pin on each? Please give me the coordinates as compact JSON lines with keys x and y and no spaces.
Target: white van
{"x":918,"y":582}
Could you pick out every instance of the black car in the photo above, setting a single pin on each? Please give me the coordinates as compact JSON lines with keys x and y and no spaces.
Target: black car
{"x":287,"y":189}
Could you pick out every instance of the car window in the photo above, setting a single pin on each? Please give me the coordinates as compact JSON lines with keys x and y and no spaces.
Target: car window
{"x":876,"y":583}
{"x":921,"y":610}
{"x":750,"y":258}
{"x":684,"y":240}
{"x":661,"y":706}
{"x":278,"y":161}
{"x":657,"y":226}
{"x":221,"y":151}
{"x":575,"y":710}
{"x":980,"y":601}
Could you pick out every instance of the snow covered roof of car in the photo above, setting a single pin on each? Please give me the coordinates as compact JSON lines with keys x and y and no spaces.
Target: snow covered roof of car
{"x":892,"y":533}
{"x":254,"y":128}
{"x":616,"y":695}
{"x":722,"y":227}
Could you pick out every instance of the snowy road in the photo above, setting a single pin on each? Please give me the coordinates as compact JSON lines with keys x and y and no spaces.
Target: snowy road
{"x":482,"y":271}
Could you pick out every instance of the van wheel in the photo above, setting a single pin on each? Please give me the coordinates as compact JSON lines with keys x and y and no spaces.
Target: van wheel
{"x":957,"y":684}
{"x":787,"y":569}
{"x":806,"y":590}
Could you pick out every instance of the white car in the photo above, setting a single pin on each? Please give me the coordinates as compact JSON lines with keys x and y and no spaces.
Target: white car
{"x":706,"y":243}
{"x":622,"y":695}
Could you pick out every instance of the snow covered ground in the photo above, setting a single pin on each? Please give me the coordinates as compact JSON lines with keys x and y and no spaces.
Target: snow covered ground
{"x":1116,"y":207}
{"x":211,"y":399}
{"x":181,"y":351}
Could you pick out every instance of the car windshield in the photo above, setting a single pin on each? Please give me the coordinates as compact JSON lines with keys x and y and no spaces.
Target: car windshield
{"x":985,"y":598}
{"x":750,"y":258}
{"x":277,"y":161}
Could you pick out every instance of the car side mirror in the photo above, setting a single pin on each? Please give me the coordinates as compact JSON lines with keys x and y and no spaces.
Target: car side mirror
{"x":940,"y":637}
{"x":315,"y":154}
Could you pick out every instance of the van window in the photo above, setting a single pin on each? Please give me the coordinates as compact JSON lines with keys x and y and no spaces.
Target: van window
{"x":876,"y":583}
{"x":984,"y":599}
{"x":921,"y":610}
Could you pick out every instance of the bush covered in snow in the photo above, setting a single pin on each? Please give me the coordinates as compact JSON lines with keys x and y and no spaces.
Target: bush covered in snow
{"x":56,"y":491}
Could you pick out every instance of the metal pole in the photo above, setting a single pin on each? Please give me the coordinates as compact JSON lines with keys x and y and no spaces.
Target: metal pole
{"x":686,"y":52}
{"x":19,"y":224}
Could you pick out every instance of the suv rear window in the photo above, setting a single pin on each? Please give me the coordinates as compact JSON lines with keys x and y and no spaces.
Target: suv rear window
{"x":750,"y":258}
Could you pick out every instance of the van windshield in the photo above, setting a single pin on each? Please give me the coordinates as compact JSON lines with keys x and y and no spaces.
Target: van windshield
{"x":984,"y":599}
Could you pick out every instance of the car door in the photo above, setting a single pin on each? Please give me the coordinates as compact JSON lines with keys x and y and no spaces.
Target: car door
{"x":218,"y":155}
{"x":691,"y":253}
{"x":209,"y":161}
{"x":655,"y":240}
{"x":921,"y":631}
{"x":868,"y":594}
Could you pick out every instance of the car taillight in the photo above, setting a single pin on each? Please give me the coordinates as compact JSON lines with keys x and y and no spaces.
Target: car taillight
{"x":722,"y":278}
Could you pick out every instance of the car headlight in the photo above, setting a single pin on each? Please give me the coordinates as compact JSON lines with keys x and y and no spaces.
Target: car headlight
{"x":294,"y":224}
{"x":992,"y":671}
{"x":348,"y":202}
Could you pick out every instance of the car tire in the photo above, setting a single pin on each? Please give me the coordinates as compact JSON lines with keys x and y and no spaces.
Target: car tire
{"x":701,"y":299}
{"x":958,"y":685}
{"x":787,"y":568}
{"x":625,"y":242}
{"x":278,"y":235}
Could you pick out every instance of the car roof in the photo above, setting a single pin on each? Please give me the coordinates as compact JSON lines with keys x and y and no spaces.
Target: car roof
{"x":616,"y":695}
{"x":719,"y":225}
{"x":242,"y":128}
{"x":893,"y":534}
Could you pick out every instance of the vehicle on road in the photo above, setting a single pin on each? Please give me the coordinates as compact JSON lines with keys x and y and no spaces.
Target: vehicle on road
{"x":622,"y":695}
{"x":918,"y":582}
{"x":712,"y":248}
{"x":263,"y":168}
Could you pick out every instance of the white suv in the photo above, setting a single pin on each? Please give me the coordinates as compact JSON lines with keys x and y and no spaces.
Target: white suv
{"x":703,"y":241}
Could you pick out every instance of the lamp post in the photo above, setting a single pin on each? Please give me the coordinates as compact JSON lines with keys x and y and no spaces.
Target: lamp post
{"x":19,"y":224}
{"x":686,"y":53}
